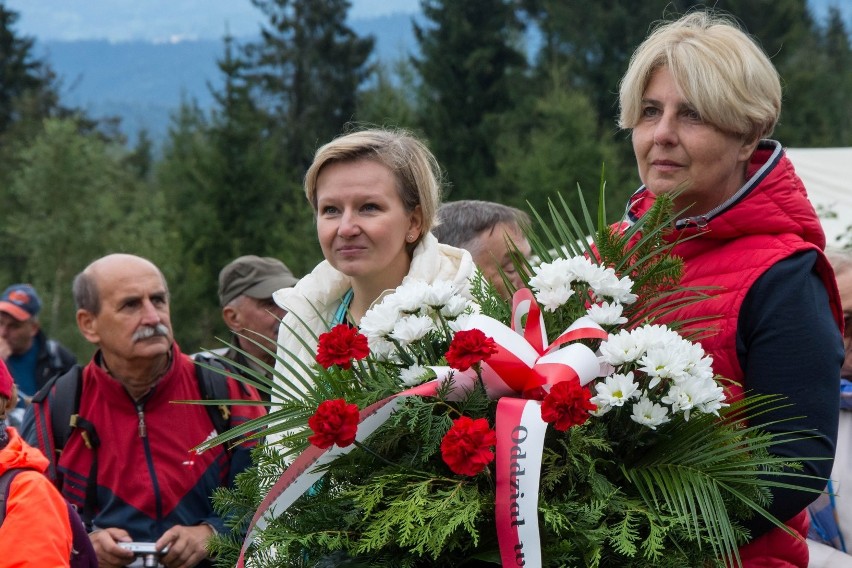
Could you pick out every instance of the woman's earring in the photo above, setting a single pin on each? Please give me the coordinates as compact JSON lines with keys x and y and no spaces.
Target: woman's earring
{"x":409,"y":237}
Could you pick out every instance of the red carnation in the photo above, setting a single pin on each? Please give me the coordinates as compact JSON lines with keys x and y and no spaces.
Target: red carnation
{"x":469,"y":348}
{"x":334,"y":422}
{"x":340,"y":346}
{"x":567,"y":405}
{"x":466,"y":448}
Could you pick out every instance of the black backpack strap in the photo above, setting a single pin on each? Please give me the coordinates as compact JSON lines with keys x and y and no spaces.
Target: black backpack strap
{"x":5,"y":484}
{"x":213,"y":385}
{"x":64,"y":407}
{"x":53,"y":414}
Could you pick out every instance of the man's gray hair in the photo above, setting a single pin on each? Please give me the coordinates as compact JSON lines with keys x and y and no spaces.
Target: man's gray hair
{"x":460,"y":223}
{"x":85,"y":292}
{"x":840,"y":259}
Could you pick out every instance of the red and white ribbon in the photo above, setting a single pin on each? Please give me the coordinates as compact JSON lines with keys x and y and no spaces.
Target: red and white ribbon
{"x":520,"y":443}
{"x":524,"y":363}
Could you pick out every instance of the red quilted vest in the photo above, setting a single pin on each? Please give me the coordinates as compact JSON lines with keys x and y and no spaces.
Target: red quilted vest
{"x":769,"y":220}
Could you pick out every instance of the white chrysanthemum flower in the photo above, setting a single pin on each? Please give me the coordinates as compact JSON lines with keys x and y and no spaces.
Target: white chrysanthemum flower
{"x":649,"y":413}
{"x":552,"y":298}
{"x":619,"y":289}
{"x":412,"y":328}
{"x":600,"y":409}
{"x":455,"y":306}
{"x":381,"y":349}
{"x":651,"y":336}
{"x":379,"y":320}
{"x":461,"y":322}
{"x":679,"y":398}
{"x":711,"y":396}
{"x":414,"y":375}
{"x":410,"y":297}
{"x":700,"y":365}
{"x":703,"y":395}
{"x":581,"y":268}
{"x":439,"y":293}
{"x":663,"y":363}
{"x":607,"y":314}
{"x":552,"y":275}
{"x":615,"y":390}
{"x":620,"y":348}
{"x":552,"y":282}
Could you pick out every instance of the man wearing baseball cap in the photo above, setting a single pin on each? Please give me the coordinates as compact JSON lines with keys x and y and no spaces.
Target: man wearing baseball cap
{"x":246,"y":285}
{"x":31,"y":357}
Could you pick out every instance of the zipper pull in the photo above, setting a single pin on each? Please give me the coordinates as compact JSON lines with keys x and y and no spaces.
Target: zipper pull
{"x":143,"y":431}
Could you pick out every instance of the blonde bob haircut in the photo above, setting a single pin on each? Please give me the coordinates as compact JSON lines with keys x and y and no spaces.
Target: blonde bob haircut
{"x":718,"y":69}
{"x":416,"y":170}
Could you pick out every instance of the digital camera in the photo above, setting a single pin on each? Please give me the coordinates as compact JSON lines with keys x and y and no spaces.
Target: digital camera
{"x":147,"y":551}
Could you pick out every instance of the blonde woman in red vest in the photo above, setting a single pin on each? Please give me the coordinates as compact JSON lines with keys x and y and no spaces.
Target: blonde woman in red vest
{"x":701,"y":99}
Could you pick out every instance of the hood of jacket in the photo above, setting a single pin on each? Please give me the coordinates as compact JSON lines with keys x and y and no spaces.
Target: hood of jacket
{"x":19,"y":454}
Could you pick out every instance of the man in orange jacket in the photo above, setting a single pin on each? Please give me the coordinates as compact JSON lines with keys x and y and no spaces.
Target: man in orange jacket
{"x":36,"y":531}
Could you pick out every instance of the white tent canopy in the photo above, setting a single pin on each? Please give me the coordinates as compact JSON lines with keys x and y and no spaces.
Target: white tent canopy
{"x":827,"y":175}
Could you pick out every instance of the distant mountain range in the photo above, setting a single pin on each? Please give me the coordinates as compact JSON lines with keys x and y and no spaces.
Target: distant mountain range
{"x":143,"y":83}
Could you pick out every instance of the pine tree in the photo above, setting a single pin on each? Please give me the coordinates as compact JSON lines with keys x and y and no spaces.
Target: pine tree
{"x":469,"y":65}
{"x":817,"y":79}
{"x":389,"y":101}
{"x":550,"y":147}
{"x":22,"y":75}
{"x":305,"y":73}
{"x":74,"y":199}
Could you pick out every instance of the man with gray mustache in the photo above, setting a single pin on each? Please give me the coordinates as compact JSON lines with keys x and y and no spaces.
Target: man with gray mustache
{"x":128,"y":462}
{"x":147,"y":331}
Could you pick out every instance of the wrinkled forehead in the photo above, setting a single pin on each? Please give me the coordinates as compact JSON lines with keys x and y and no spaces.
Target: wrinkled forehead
{"x":128,"y":279}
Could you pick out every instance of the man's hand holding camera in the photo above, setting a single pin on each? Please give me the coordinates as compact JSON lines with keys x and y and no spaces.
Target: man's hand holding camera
{"x":179,"y":547}
{"x":187,"y":545}
{"x":110,"y":554}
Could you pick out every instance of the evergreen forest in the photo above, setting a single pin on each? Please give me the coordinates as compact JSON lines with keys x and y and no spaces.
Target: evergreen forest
{"x":506,"y":124}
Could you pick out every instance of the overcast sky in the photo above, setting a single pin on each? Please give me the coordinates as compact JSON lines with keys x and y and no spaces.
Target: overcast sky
{"x":160,"y":20}
{"x":174,"y":20}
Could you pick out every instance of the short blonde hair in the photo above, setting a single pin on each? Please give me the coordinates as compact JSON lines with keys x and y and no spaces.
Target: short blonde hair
{"x":719,"y":69}
{"x":415,"y":168}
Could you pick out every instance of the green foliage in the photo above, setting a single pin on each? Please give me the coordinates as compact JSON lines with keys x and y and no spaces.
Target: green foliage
{"x":64,"y":180}
{"x":817,"y":72}
{"x":549,"y":144}
{"x":22,"y":75}
{"x":389,"y":101}
{"x":612,"y":492}
{"x":469,"y":67}
{"x":306,"y":70}
{"x":504,"y":126}
{"x":422,"y":514}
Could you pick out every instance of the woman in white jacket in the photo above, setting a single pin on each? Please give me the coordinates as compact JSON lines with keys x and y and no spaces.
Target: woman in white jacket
{"x":375,"y":194}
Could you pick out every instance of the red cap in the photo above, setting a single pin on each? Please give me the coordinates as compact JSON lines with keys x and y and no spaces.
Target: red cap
{"x":5,"y":381}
